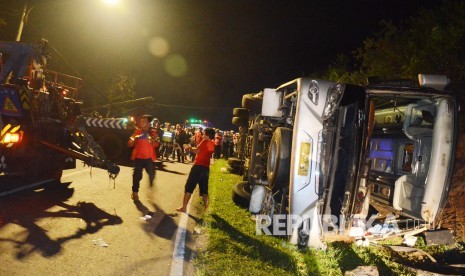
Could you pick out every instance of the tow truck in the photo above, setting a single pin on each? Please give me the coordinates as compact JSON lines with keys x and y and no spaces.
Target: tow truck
{"x":42,"y":131}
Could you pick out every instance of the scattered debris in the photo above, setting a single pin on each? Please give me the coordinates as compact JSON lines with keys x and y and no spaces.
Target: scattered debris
{"x":384,"y":229}
{"x":362,"y":242}
{"x":357,"y":231}
{"x":224,"y":170}
{"x":197,"y":231}
{"x":100,"y":242}
{"x":438,"y":237}
{"x":410,"y":241}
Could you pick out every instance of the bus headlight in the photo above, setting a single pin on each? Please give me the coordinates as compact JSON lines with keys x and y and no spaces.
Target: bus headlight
{"x":313,"y":92}
{"x":333,"y":99}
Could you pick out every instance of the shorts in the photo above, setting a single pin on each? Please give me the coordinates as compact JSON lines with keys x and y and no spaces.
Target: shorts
{"x":198,"y":174}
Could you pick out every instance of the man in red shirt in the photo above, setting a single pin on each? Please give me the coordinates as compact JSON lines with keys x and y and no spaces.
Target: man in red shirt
{"x":198,"y":136}
{"x":144,"y":141}
{"x":200,"y":170}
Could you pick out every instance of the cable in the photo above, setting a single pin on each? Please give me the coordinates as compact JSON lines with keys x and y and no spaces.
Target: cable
{"x":99,"y":92}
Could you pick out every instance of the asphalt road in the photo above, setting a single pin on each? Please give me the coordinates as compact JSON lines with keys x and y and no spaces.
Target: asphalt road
{"x":88,"y":225}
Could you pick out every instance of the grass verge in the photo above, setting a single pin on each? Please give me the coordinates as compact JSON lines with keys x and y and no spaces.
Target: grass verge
{"x":233,"y":248}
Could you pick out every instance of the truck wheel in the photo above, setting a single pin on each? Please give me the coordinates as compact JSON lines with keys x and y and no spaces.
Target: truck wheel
{"x":278,"y":165}
{"x":112,"y":146}
{"x":242,"y":193}
{"x":257,"y":147}
{"x":241,"y":112}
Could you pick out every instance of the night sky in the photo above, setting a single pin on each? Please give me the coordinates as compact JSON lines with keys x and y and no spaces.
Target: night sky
{"x":197,"y":58}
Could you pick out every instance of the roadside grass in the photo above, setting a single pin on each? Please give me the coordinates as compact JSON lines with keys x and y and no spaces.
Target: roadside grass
{"x":233,"y":248}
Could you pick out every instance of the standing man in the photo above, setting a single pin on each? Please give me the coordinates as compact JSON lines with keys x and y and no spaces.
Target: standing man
{"x":144,"y":141}
{"x":156,"y":125}
{"x":217,"y":141}
{"x":200,"y":170}
{"x":198,"y":134}
{"x":180,"y":138}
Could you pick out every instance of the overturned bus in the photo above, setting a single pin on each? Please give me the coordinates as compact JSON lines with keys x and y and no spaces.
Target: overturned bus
{"x":326,"y":153}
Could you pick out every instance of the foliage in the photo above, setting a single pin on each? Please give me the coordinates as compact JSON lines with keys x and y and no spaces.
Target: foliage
{"x":102,"y":90}
{"x":120,"y":88}
{"x":432,"y":42}
{"x":233,"y":246}
{"x":341,"y":71}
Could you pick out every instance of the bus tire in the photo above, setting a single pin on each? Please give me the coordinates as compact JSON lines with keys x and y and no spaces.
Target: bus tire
{"x":241,"y":112}
{"x":238,"y":121}
{"x":234,"y":162}
{"x":252,"y":104}
{"x":241,"y":194}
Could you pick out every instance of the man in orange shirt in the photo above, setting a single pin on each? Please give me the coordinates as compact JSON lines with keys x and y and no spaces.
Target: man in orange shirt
{"x":144,"y":141}
{"x":200,"y":170}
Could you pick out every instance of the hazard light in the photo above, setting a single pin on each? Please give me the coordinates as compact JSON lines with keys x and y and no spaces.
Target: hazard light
{"x":11,"y":138}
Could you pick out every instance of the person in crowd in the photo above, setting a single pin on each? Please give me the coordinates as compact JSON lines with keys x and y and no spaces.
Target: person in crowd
{"x":193,"y":144}
{"x":143,"y":141}
{"x":180,"y":138}
{"x":168,"y":139}
{"x":200,"y":170}
{"x":231,"y":144}
{"x":198,"y":136}
{"x":235,"y":142}
{"x":189,"y":135}
{"x":197,"y":139}
{"x":155,"y":124}
{"x":227,"y":140}
{"x":218,"y":140}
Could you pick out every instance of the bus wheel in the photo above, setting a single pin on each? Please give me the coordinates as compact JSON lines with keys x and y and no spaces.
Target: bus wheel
{"x":242,"y":193}
{"x":241,"y":112}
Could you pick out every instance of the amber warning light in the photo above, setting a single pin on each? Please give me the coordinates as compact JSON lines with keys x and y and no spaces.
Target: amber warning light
{"x":11,"y":138}
{"x":10,"y":135}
